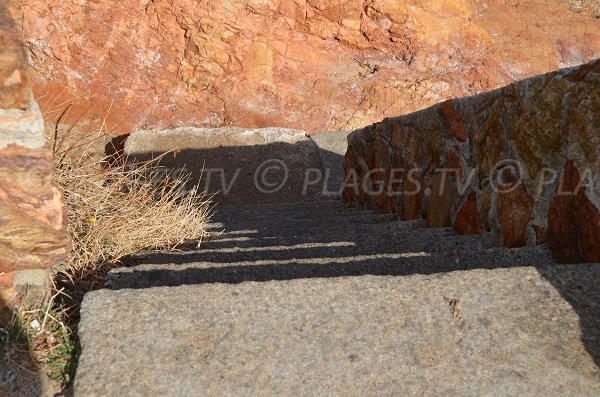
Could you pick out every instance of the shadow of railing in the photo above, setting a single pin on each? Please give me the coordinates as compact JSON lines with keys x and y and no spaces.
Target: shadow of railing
{"x":579,"y":285}
{"x":379,"y":265}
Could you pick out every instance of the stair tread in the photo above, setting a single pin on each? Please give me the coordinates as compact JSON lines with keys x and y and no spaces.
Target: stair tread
{"x":341,"y":336}
{"x":173,"y":271}
{"x":321,"y":299}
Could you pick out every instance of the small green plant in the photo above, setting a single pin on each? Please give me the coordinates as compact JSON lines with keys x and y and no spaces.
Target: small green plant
{"x":42,"y":331}
{"x":61,"y":360}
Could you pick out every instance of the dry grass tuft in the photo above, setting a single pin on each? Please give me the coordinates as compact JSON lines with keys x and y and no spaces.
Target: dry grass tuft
{"x":114,"y":208}
{"x":119,"y":209}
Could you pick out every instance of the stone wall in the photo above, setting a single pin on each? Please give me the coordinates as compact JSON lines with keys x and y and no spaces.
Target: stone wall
{"x":521,"y":161}
{"x":33,"y":233}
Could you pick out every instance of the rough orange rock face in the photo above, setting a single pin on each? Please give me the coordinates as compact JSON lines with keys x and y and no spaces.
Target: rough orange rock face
{"x":33,"y":234}
{"x":309,"y":64}
{"x":13,"y":79}
{"x":512,"y":148}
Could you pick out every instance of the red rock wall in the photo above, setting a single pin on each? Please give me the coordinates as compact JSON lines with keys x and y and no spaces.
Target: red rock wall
{"x":522,"y":161}
{"x":32,"y":221}
{"x":314,"y":65}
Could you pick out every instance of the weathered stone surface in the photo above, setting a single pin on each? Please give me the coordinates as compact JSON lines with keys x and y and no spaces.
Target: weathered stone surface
{"x":33,"y":233}
{"x":310,"y":65}
{"x":264,"y":165}
{"x":537,"y":113}
{"x":20,"y":119}
{"x":14,"y":87}
{"x":7,"y":294}
{"x":468,"y":219}
{"x":583,"y":121}
{"x":440,"y":202}
{"x":384,"y":203}
{"x":515,"y":209}
{"x":540,"y":234}
{"x":21,"y":286}
{"x":410,"y":147}
{"x":433,"y":147}
{"x":573,"y":221}
{"x":490,"y":140}
{"x":412,"y":197}
{"x":345,"y":336}
{"x":452,"y":120}
{"x":453,"y":164}
{"x":485,"y":206}
{"x":33,"y":224}
{"x":505,"y":145}
{"x":288,"y":311}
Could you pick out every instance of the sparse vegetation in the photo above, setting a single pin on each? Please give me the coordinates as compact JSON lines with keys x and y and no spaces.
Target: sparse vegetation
{"x":118,"y":209}
{"x":115,"y":208}
{"x":42,"y":331}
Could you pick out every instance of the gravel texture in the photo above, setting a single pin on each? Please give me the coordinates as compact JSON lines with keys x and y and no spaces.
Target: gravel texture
{"x":347,"y":336}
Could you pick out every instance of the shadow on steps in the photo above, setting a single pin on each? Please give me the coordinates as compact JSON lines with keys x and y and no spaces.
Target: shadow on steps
{"x":277,"y":172}
{"x":167,"y":272}
{"x":579,"y":285}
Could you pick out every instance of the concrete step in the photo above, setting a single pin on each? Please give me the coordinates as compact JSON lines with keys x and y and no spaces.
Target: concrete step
{"x":286,"y":250}
{"x":399,"y":234}
{"x":235,"y":160}
{"x":307,"y":207}
{"x":338,"y":213}
{"x":171,"y":270}
{"x":319,"y":298}
{"x":504,"y":331}
{"x":287,"y":221}
{"x":312,"y":228}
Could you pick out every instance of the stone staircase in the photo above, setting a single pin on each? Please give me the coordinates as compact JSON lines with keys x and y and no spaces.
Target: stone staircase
{"x":320,"y":299}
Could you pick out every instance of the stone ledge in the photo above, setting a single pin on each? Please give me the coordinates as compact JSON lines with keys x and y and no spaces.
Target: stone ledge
{"x":17,"y":288}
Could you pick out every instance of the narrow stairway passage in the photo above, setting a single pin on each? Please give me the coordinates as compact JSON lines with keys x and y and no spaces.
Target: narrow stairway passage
{"x":284,"y":246}
{"x":321,"y":299}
